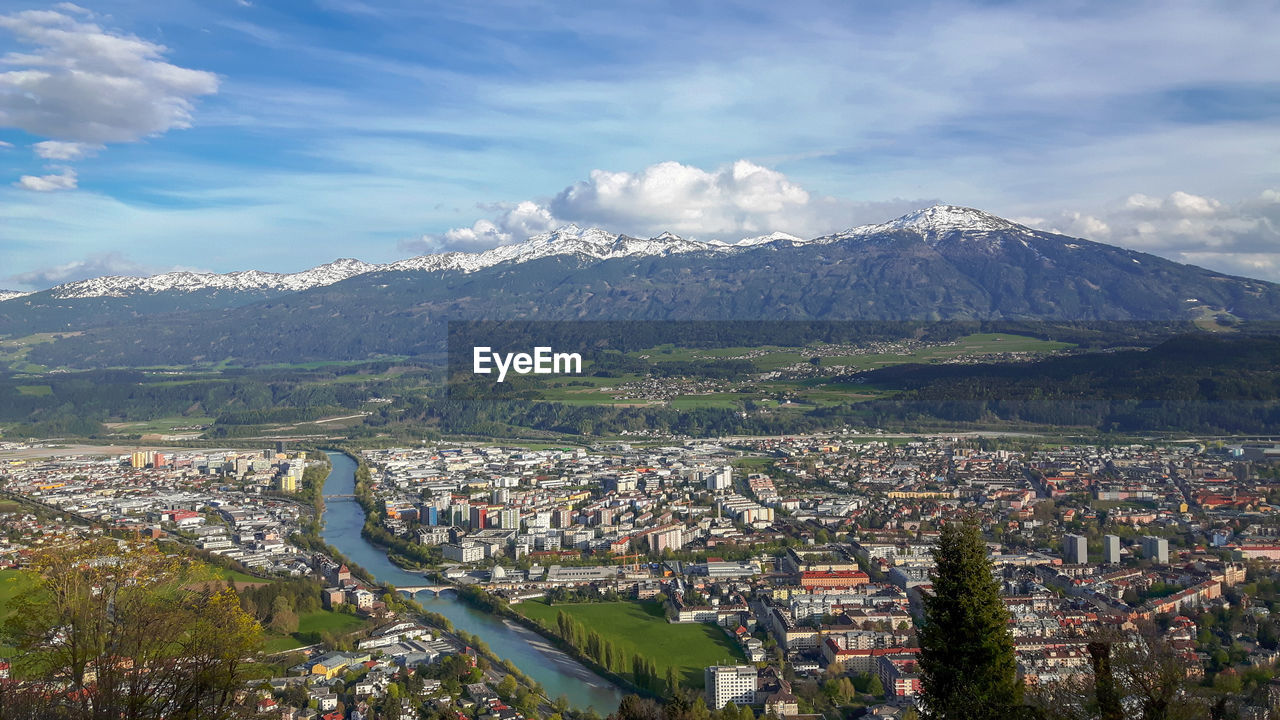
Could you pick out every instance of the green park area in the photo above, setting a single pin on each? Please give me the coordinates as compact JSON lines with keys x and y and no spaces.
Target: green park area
{"x":310,"y":626}
{"x":781,"y":394}
{"x":641,"y":628}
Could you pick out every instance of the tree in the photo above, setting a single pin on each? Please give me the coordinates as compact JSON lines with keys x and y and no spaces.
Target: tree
{"x":967,"y":664}
{"x":875,"y":686}
{"x":1140,"y":667}
{"x":507,"y":687}
{"x":634,"y":707}
{"x":283,"y":619}
{"x":126,"y":632}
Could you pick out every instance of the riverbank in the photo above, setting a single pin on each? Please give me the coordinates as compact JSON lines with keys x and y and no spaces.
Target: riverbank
{"x":497,"y":606}
{"x":555,"y":671}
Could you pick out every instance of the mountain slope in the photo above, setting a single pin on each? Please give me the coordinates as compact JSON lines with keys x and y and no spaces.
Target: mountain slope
{"x":936,"y":264}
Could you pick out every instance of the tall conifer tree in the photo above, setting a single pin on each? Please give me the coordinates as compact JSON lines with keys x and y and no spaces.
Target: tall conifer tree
{"x":967,"y":662}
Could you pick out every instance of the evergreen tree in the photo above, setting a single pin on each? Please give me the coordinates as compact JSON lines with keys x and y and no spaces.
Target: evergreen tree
{"x":673,"y":681}
{"x":967,"y":665}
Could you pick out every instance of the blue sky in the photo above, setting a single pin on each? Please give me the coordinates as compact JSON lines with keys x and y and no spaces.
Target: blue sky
{"x":227,"y":134}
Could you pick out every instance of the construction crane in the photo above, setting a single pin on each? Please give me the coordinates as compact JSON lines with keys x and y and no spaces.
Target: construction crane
{"x":635,"y":565}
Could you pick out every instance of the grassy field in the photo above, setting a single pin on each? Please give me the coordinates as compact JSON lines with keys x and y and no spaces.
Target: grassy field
{"x":636,"y":627}
{"x":158,"y":425}
{"x":773,"y":358}
{"x":12,"y":582}
{"x":317,"y":622}
{"x":327,"y":620}
{"x":235,"y":575}
{"x":807,"y":393}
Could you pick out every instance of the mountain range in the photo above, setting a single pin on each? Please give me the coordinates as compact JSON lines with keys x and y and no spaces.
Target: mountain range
{"x":940,"y":263}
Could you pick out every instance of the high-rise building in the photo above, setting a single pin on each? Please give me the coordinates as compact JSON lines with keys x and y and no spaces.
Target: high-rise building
{"x":1111,"y":549}
{"x":479,"y":517}
{"x":562,"y":518}
{"x":730,"y":684}
{"x":720,"y":480}
{"x":509,"y":519}
{"x":1075,"y":549}
{"x":1156,"y":548}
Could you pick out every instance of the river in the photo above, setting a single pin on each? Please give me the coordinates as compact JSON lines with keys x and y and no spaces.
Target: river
{"x":558,"y":673}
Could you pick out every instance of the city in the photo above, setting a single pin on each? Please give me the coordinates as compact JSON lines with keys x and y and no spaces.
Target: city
{"x":809,"y":555}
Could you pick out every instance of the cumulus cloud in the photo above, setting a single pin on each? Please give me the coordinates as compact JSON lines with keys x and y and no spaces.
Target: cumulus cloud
{"x":97,"y":265}
{"x":512,"y":224}
{"x":1241,"y":238}
{"x":84,"y":84}
{"x":742,"y":199}
{"x":60,"y":150}
{"x":65,"y":180}
{"x":739,"y":198}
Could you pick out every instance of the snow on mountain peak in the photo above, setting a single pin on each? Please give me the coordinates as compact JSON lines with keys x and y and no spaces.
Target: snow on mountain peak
{"x":764,"y":239}
{"x":11,"y":294}
{"x":188,"y":281}
{"x":569,"y":240}
{"x":933,"y":222}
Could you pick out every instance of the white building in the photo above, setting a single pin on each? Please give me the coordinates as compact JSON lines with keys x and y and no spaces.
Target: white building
{"x":1111,"y":549}
{"x":730,"y":684}
{"x":717,"y":481}
{"x":1075,"y":549}
{"x":463,"y":552}
{"x":1156,"y":548}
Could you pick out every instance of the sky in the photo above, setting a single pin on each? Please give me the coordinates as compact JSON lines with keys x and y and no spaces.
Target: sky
{"x":138,"y":137}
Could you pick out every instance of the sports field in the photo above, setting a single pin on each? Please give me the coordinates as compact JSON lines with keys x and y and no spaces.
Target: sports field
{"x":639,"y":627}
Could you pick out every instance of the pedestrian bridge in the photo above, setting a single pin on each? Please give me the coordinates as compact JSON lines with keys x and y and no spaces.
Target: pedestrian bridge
{"x":436,"y":590}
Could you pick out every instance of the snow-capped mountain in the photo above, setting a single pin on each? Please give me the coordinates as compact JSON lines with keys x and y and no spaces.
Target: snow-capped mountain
{"x":568,"y":240}
{"x":940,"y":263}
{"x":591,"y":243}
{"x":938,"y":222}
{"x":761,"y":240}
{"x":11,"y":294}
{"x":185,"y":281}
{"x":931,"y":223}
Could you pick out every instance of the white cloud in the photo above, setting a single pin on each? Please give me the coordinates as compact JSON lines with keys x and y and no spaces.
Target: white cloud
{"x":84,"y":84}
{"x":512,"y":224}
{"x":738,"y":200}
{"x":1138,"y":201}
{"x":65,"y":180}
{"x":60,"y":150}
{"x":97,"y":265}
{"x":732,"y":200}
{"x":1240,"y":238}
{"x":5,"y":145}
{"x":1189,"y":204}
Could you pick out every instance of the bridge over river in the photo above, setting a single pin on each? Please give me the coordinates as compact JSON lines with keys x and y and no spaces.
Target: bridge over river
{"x":558,"y":673}
{"x":412,"y":590}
